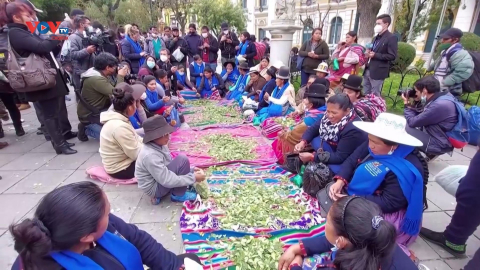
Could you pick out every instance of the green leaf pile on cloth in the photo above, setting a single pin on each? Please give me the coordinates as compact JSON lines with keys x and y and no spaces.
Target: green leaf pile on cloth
{"x":206,"y":112}
{"x":254,"y":253}
{"x":285,"y":122}
{"x":225,"y":147}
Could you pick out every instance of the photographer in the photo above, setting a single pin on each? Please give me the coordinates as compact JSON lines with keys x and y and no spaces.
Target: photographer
{"x":82,"y":56}
{"x":96,"y":91}
{"x":132,"y":50}
{"x":228,"y":41}
{"x":433,"y":114}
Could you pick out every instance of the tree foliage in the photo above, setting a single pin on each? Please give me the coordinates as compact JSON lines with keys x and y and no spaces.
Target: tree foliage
{"x":53,"y":10}
{"x":104,"y":11}
{"x":428,"y":14}
{"x":213,"y":13}
{"x":181,"y":10}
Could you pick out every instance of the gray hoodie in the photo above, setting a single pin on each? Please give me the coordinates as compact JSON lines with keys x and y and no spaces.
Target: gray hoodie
{"x":151,"y":168}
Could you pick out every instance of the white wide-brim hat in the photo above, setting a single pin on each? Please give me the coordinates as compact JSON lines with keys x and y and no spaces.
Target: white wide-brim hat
{"x":389,"y":127}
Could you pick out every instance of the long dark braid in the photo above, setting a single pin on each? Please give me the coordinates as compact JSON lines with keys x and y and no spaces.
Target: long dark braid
{"x":426,"y":174}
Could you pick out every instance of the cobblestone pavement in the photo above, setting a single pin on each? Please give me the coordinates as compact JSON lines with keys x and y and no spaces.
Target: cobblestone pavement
{"x":30,"y":168}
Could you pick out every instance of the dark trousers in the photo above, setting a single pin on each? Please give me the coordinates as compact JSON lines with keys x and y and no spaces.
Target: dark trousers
{"x":466,"y":217}
{"x":65,"y":126}
{"x":8,"y":100}
{"x":50,"y":109}
{"x":126,"y":174}
{"x":20,"y":98}
{"x":304,"y":77}
{"x":180,"y":166}
{"x":76,"y":81}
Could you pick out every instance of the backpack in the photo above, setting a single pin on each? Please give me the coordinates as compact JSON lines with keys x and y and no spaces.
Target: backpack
{"x":459,"y":135}
{"x":472,"y":84}
{"x":261,"y":49}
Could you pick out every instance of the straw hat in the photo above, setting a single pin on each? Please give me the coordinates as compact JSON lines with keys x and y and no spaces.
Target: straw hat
{"x":322,"y":67}
{"x":389,"y":127}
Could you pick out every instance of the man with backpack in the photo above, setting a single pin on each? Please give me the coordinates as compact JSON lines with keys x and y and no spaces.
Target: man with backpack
{"x":435,"y":121}
{"x":454,"y":65}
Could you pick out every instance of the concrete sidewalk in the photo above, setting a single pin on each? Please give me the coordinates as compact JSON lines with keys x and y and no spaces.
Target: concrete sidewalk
{"x":30,"y":169}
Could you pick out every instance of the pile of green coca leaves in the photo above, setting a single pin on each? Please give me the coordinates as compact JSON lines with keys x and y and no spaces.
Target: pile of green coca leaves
{"x":225,"y":147}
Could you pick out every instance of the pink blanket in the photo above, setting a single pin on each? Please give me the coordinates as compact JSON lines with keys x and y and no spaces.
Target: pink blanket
{"x":185,"y":142}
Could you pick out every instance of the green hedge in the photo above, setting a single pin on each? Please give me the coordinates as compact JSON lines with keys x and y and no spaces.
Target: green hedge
{"x":405,"y":56}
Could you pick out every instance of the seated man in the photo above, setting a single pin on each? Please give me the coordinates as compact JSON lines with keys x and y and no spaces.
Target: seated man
{"x":95,"y":95}
{"x":434,"y":115}
{"x":156,"y":172}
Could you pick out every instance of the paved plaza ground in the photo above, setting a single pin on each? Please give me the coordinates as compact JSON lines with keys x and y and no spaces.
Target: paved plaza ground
{"x":30,"y":168}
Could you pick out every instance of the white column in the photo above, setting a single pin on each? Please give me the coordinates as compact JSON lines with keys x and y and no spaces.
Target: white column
{"x":281,"y":32}
{"x":464,"y":17}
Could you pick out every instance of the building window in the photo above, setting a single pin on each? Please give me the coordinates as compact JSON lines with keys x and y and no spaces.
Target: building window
{"x":307,"y":33}
{"x":244,"y":3}
{"x":261,"y":34}
{"x":335,"y":30}
{"x":263,"y":3}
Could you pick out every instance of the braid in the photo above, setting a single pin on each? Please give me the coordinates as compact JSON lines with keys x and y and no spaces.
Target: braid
{"x":426,"y":174}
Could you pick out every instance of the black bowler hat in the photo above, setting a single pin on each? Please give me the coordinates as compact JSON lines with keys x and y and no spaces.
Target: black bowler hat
{"x":354,"y":83}
{"x":316,"y":91}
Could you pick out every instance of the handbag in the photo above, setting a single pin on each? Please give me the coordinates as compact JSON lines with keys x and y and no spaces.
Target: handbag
{"x":293,"y":163}
{"x":324,"y":200}
{"x":178,"y":55}
{"x":316,"y":177}
{"x":30,"y":74}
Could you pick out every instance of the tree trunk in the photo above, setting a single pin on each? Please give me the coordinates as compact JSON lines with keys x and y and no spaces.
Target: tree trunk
{"x":368,"y":10}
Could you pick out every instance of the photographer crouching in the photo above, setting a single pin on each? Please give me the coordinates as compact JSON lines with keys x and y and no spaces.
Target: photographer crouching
{"x":82,"y":56}
{"x":430,"y":114}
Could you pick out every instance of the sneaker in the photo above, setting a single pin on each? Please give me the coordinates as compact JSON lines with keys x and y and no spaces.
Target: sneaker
{"x":439,"y":239}
{"x":422,"y":267}
{"x":188,"y":196}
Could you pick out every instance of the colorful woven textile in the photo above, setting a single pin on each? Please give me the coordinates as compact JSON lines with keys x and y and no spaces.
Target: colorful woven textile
{"x":204,"y":234}
{"x":187,"y":142}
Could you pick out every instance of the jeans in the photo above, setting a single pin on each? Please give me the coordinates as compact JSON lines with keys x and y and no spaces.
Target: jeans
{"x":93,"y":131}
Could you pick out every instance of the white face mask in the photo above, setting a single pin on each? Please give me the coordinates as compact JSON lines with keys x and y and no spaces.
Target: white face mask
{"x":90,"y":29}
{"x":225,"y":32}
{"x":154,"y":35}
{"x":143,"y":96}
{"x":151,"y":64}
{"x":377,"y":29}
{"x":181,"y":73}
{"x":204,"y":35}
{"x":164,"y":58}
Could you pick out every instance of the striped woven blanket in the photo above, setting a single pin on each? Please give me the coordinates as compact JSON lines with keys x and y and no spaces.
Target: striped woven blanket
{"x":205,"y":234}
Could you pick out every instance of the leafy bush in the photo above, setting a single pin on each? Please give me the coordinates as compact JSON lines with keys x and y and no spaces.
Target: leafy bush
{"x":420,"y":65}
{"x":471,"y":41}
{"x":405,"y":56}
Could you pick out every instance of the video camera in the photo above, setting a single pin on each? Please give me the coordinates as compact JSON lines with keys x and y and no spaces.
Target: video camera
{"x":408,"y":91}
{"x":97,"y":38}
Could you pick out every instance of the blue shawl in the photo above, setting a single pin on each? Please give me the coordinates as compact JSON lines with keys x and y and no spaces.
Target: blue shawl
{"x":242,"y":50}
{"x":369,"y":175}
{"x":207,"y":86}
{"x":233,"y":76}
{"x":122,"y":250}
{"x":135,"y":120}
{"x":153,"y":101}
{"x":273,"y":109}
{"x":137,"y":48}
{"x":181,"y":78}
{"x":237,"y":90}
{"x":198,"y":69}
{"x":313,"y":115}
{"x":260,"y":97}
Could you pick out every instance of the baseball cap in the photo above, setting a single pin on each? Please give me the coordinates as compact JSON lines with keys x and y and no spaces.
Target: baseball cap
{"x":174,"y":28}
{"x":31,"y":5}
{"x":224,"y":25}
{"x":452,"y":33}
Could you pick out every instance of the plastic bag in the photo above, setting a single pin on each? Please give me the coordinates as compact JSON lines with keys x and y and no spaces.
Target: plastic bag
{"x":450,"y":177}
{"x":202,"y":189}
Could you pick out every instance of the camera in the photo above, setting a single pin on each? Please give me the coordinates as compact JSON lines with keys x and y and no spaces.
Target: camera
{"x":97,"y":38}
{"x":409,"y":92}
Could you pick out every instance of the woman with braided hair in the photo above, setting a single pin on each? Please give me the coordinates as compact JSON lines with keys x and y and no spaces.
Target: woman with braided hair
{"x":358,"y":238}
{"x":389,"y":171}
{"x":73,"y":229}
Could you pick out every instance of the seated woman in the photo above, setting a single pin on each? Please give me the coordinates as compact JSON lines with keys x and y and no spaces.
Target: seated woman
{"x":159,"y":105}
{"x":356,"y":238}
{"x":140,"y":115}
{"x":268,"y":88}
{"x":196,"y":70}
{"x":349,"y":55}
{"x":235,"y":92}
{"x":252,"y":91}
{"x":72,"y":228}
{"x":119,"y":143}
{"x":148,"y":68}
{"x":367,"y":107}
{"x":163,"y":85}
{"x":211,"y":85}
{"x":182,"y":82}
{"x":282,"y":100}
{"x":157,"y":173}
{"x":301,"y":92}
{"x":334,"y":138}
{"x":263,"y":66}
{"x":229,"y":74}
{"x":314,"y":102}
{"x":387,"y":170}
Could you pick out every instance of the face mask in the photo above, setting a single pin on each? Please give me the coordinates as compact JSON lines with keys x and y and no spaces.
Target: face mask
{"x":444,"y":46}
{"x":391,"y":151}
{"x":164,"y":58}
{"x":423,"y":99}
{"x":143,"y":96}
{"x":377,"y":29}
{"x":151,"y":64}
{"x":225,"y":32}
{"x":181,"y":73}
{"x":122,"y":35}
{"x":90,"y":28}
{"x":154,"y":35}
{"x":204,"y":35}
{"x":335,"y":247}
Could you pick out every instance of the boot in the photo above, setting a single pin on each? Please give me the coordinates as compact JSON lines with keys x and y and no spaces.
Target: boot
{"x":64,"y":149}
{"x":2,"y":133}
{"x":81,"y":135}
{"x":19,"y":129}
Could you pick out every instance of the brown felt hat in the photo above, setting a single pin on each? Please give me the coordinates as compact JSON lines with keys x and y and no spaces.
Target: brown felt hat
{"x":156,"y":127}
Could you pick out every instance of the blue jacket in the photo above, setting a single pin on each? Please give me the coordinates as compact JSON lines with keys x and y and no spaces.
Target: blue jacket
{"x":153,"y":101}
{"x":128,"y":52}
{"x":348,"y":140}
{"x":251,"y":53}
{"x":153,"y":254}
{"x":319,"y":244}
